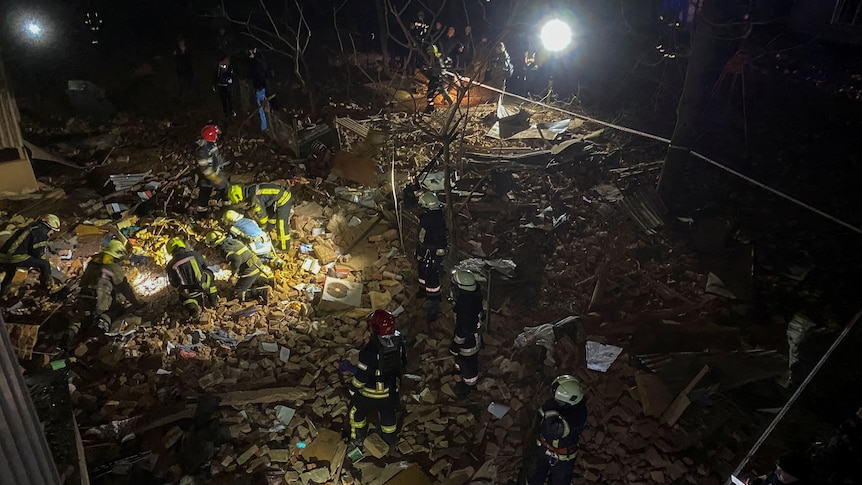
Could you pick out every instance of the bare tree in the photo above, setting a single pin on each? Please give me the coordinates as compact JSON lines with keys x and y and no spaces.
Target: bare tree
{"x":287,"y":34}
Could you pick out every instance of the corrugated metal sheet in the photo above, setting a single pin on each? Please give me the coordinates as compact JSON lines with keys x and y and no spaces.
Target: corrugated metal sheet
{"x":645,"y":209}
{"x":25,"y":458}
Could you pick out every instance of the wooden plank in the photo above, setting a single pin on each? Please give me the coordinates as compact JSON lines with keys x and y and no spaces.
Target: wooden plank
{"x":263,"y":396}
{"x":681,"y":403}
{"x":653,"y":395}
{"x":324,"y":447}
{"x":413,"y":475}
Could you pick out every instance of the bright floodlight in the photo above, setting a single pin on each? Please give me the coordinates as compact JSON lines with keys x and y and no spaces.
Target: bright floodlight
{"x":556,"y":35}
{"x":33,"y":29}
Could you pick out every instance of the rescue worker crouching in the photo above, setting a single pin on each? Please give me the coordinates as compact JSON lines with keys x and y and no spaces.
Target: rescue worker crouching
{"x":467,"y":340}
{"x":375,"y":384}
{"x":430,"y":250}
{"x":249,"y":232}
{"x":26,"y":249}
{"x":210,"y":164}
{"x":188,"y":273}
{"x":562,"y":420}
{"x":254,"y":279}
{"x":271,"y":205}
{"x":104,"y":279}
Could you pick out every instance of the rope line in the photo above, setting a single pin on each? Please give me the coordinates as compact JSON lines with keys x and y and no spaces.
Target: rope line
{"x":662,"y":139}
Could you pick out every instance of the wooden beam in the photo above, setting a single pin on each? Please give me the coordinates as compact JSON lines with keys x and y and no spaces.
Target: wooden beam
{"x":681,"y":403}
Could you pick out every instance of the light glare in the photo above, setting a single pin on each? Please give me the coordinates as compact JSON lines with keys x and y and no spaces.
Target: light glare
{"x":33,"y":28}
{"x":556,"y":35}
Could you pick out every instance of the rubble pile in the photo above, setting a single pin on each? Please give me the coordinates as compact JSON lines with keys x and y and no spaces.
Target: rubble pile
{"x":255,"y":388}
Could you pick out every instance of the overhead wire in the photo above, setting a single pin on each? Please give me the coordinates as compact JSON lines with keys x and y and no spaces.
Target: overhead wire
{"x":662,"y":139}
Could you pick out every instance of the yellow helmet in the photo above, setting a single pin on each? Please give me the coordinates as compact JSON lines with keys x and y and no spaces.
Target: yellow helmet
{"x":52,"y":221}
{"x":214,"y":238}
{"x":115,"y":249}
{"x":235,"y":194}
{"x":173,"y":244}
{"x":231,"y":216}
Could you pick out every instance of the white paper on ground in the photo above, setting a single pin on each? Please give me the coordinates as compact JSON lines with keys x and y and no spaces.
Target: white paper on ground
{"x":284,"y":414}
{"x":601,"y":356}
{"x":498,"y":410}
{"x":284,"y":354}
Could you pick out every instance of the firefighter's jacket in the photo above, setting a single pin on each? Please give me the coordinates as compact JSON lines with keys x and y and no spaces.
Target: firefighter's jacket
{"x":210,"y":163}
{"x":103,"y":279}
{"x":368,"y":379}
{"x":186,"y":270}
{"x":266,"y":199}
{"x":565,"y":448}
{"x":432,"y":230}
{"x":239,"y":256}
{"x":468,"y":317}
{"x":25,"y":243}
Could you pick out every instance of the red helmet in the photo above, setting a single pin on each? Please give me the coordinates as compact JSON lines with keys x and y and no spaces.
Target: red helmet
{"x":382,"y":323}
{"x":210,"y":133}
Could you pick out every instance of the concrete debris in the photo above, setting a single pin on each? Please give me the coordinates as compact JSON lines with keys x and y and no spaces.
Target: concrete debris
{"x":274,"y":367}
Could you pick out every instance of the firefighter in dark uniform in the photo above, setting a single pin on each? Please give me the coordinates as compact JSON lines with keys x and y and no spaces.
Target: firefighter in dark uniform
{"x":375,"y":384}
{"x":271,"y":205}
{"x":254,"y":279}
{"x":188,"y":273}
{"x":210,"y":163}
{"x":26,"y":249}
{"x":103,"y":281}
{"x":467,"y":341}
{"x":430,"y":250}
{"x":562,"y":420}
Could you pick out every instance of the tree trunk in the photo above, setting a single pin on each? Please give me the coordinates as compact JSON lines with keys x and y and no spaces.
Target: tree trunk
{"x":697,"y":79}
{"x":384,"y":30}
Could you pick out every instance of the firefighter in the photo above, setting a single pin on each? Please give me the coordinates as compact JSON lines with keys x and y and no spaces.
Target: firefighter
{"x":430,"y":250}
{"x":254,"y":279}
{"x":103,"y":281}
{"x":375,"y":384}
{"x":249,"y":232}
{"x":188,"y":273}
{"x":561,"y":421}
{"x":434,"y":73}
{"x":26,"y":249}
{"x":210,"y":163}
{"x":271,"y":205}
{"x":468,"y":320}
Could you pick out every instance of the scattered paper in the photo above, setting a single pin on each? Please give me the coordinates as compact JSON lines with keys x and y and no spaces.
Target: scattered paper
{"x":268,"y":347}
{"x":498,"y":410}
{"x":284,"y":354}
{"x":284,"y":414}
{"x":601,"y":356}
{"x":163,"y":372}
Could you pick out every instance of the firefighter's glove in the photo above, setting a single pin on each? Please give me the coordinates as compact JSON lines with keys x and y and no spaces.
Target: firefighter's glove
{"x":453,"y":348}
{"x":441,"y":252}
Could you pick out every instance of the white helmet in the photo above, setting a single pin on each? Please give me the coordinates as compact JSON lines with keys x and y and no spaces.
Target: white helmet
{"x":429,"y":201}
{"x":464,"y":280}
{"x":567,"y":390}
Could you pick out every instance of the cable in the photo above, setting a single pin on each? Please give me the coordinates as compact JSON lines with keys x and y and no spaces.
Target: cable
{"x":666,"y":140}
